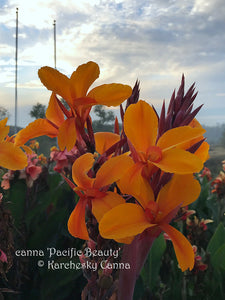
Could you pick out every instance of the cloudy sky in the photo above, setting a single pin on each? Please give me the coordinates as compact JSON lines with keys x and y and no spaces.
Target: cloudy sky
{"x":154,"y":41}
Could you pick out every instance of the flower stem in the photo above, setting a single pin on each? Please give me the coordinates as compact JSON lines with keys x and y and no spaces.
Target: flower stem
{"x":135,"y":254}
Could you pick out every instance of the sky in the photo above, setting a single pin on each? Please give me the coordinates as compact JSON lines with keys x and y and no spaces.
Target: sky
{"x":152,"y":41}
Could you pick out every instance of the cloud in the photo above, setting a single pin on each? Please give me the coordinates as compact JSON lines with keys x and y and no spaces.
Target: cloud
{"x":154,"y":41}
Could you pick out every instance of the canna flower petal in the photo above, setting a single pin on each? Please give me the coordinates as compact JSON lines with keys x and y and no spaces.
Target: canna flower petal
{"x":80,"y":169}
{"x":179,"y":135}
{"x":133,"y":183}
{"x":141,"y":125}
{"x":3,"y":123}
{"x":82,"y":79}
{"x":67,"y":134}
{"x":76,"y":223}
{"x":180,"y":190}
{"x":104,"y":140}
{"x":124,"y":220}
{"x":56,"y":82}
{"x":4,"y":130}
{"x":102,"y":205}
{"x":27,"y":149}
{"x":12,"y":157}
{"x":110,"y":94}
{"x":112,"y":170}
{"x":54,"y":112}
{"x":183,"y":249}
{"x":203,"y":152}
{"x":36,"y":128}
{"x":179,"y":161}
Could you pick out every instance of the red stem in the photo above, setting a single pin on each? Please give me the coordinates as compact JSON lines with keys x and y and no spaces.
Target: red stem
{"x":135,"y":254}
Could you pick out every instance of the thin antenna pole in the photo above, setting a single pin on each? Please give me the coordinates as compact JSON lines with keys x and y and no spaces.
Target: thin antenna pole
{"x":54,"y":25}
{"x":16,"y":59}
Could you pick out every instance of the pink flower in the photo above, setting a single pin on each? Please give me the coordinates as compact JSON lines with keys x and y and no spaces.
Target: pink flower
{"x":63,"y":159}
{"x":199,"y":265}
{"x":5,"y":184}
{"x":206,"y":173}
{"x":3,"y":257}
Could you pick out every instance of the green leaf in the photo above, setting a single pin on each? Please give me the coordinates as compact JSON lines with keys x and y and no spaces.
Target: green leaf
{"x":17,"y":200}
{"x":217,"y":240}
{"x":217,"y":259}
{"x":58,"y":284}
{"x":151,"y":269}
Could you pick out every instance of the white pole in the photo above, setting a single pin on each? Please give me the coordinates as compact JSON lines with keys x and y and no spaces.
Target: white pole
{"x":54,"y":25}
{"x":16,"y":59}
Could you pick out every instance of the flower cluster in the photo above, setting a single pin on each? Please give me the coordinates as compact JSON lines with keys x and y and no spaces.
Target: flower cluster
{"x":130,"y":183}
{"x":218,"y":185}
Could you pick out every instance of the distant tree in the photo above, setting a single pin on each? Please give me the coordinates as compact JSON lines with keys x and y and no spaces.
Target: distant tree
{"x":105,"y":119}
{"x":104,"y":116}
{"x":3,"y":113}
{"x":38,"y":111}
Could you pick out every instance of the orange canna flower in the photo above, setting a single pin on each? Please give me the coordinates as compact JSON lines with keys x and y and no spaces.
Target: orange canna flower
{"x":94,"y":191}
{"x":129,"y":219}
{"x":54,"y":125}
{"x":203,"y":151}
{"x":11,"y":156}
{"x":104,"y":140}
{"x":141,"y":129}
{"x":74,"y":91}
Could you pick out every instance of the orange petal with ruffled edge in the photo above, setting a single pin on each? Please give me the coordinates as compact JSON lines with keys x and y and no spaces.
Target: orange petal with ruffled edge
{"x":178,"y":136}
{"x":27,"y":149}
{"x":80,"y":169}
{"x":110,"y":94}
{"x":104,"y":140}
{"x":183,"y":249}
{"x":4,"y":130}
{"x":179,"y":161}
{"x":124,"y":220}
{"x":76,"y":223}
{"x":67,"y":135}
{"x":56,"y":82}
{"x":102,"y":205}
{"x":12,"y":157}
{"x":54,"y":112}
{"x":112,"y":170}
{"x":133,"y":183}
{"x":141,"y":125}
{"x":3,"y":123}
{"x":203,"y":152}
{"x":36,"y":128}
{"x":82,"y":79}
{"x":180,"y":190}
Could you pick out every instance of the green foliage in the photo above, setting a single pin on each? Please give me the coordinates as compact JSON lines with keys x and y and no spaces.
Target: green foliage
{"x":150,"y":272}
{"x":40,"y":216}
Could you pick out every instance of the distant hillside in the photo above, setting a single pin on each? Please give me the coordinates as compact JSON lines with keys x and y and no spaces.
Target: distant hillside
{"x":214,"y":133}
